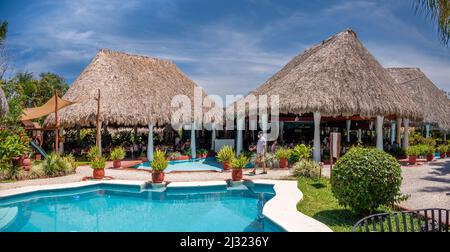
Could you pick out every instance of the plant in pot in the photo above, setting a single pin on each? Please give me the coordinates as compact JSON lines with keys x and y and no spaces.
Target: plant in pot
{"x":159,"y":164}
{"x":283,"y":155}
{"x":429,"y":152}
{"x":237,"y":165}
{"x":413,"y":152}
{"x":202,"y":153}
{"x":98,"y":167}
{"x":117,"y":154}
{"x":442,"y":150}
{"x":225,"y":155}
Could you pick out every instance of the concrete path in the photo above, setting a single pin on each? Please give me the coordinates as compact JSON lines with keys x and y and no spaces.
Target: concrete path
{"x":428,"y":185}
{"x":129,"y":174}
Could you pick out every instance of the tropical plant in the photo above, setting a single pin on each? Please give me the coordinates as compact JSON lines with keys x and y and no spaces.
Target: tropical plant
{"x":72,"y":163}
{"x":306,"y":168}
{"x":174,"y":155}
{"x":283,"y":153}
{"x":365,"y":178}
{"x":442,"y":148}
{"x":226,"y":154}
{"x":12,"y":145}
{"x":300,"y":152}
{"x":240,"y":162}
{"x":428,"y":150}
{"x":37,"y":171}
{"x":98,"y":163}
{"x":93,"y":153}
{"x":159,"y":162}
{"x":271,"y":160}
{"x":439,"y":12}
{"x":187,"y":151}
{"x":53,"y":165}
{"x":202,"y":151}
{"x":117,"y":153}
{"x":415,"y":150}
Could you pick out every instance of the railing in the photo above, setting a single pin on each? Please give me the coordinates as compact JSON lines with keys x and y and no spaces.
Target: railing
{"x":423,"y":220}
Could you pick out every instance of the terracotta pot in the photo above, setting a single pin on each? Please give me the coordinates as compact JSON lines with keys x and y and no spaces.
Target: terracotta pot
{"x":236,"y":175}
{"x":38,"y":156}
{"x":430,"y":158}
{"x":283,"y":163}
{"x":442,"y":155}
{"x":412,"y":159}
{"x":182,"y":158}
{"x":26,"y":163}
{"x":226,"y":166}
{"x":98,"y":173}
{"x":117,"y":164}
{"x":157,"y":177}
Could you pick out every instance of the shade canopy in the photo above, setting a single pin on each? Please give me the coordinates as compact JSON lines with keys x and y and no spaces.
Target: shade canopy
{"x":433,"y":103}
{"x":46,"y":109}
{"x":338,"y":77}
{"x":135,"y":91}
{"x":3,"y":103}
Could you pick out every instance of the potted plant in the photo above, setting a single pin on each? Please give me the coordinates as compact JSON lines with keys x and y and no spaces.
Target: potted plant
{"x":429,"y":152}
{"x":98,"y":167}
{"x":174,"y":155}
{"x":238,"y":164}
{"x":283,"y":155}
{"x":225,"y":155}
{"x":202,"y":153}
{"x":413,"y":152}
{"x":442,"y":150}
{"x":159,"y":164}
{"x":117,"y":154}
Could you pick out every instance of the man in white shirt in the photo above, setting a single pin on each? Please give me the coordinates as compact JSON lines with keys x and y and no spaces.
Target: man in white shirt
{"x":261,"y":147}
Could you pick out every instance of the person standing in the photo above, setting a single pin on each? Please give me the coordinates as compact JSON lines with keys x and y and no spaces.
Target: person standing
{"x":261,"y":147}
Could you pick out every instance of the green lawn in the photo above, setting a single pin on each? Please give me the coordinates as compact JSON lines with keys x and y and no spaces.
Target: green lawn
{"x":319,"y":203}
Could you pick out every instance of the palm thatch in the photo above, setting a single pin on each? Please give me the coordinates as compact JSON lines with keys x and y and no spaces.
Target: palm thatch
{"x":338,"y":77}
{"x":135,"y":91}
{"x":3,"y":103}
{"x":434,"y":103}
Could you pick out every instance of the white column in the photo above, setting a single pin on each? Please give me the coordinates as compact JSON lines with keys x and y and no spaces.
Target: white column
{"x":193,"y":150}
{"x":150,"y":143}
{"x":393,"y":130}
{"x":427,"y":130}
{"x":359,"y":135}
{"x":213,"y":137}
{"x":379,"y":129}
{"x":239,"y":143}
{"x":316,"y":151}
{"x":348,"y":124}
{"x":445,"y":136}
{"x":405,"y":133}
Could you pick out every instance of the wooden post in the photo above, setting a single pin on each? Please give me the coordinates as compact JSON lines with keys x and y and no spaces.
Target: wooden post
{"x":98,"y":125}
{"x":56,"y":125}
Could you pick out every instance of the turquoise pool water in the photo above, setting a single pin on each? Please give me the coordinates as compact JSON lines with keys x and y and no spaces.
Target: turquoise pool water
{"x":208,"y":164}
{"x":130,"y":208}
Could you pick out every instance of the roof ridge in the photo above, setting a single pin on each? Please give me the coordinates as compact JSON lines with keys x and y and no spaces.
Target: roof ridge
{"x":108,"y":51}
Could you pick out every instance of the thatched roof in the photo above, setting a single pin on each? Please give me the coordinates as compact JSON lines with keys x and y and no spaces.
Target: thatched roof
{"x":3,"y":103}
{"x":338,"y":77}
{"x":135,"y":90}
{"x":434,"y":104}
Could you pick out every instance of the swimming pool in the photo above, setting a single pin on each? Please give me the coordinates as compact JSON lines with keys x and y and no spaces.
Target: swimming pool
{"x":106,"y":207}
{"x":208,"y":164}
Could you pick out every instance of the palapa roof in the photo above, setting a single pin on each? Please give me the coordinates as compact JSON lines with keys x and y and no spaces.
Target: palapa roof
{"x":3,"y":103}
{"x":338,"y":77}
{"x":434,"y":104}
{"x":135,"y":91}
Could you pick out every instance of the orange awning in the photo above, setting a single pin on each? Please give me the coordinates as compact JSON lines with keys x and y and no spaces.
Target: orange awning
{"x":47,"y":108}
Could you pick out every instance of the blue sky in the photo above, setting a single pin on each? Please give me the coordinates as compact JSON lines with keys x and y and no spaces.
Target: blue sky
{"x":228,"y":47}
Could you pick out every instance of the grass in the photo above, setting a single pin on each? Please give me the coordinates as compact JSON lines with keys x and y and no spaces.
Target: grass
{"x":319,"y":203}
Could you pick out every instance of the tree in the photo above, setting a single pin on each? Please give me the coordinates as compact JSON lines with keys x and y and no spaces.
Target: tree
{"x":3,"y":31}
{"x":439,"y":12}
{"x":3,"y":62}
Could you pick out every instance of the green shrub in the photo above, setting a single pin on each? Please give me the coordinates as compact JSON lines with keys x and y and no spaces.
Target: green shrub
{"x":70,"y":160}
{"x":415,"y":150}
{"x":37,"y":171}
{"x":283,"y":153}
{"x":300,"y":152}
{"x":226,"y":154}
{"x":98,"y":163}
{"x":117,"y":153}
{"x":240,"y":162}
{"x":93,"y":153}
{"x":174,"y":155}
{"x":202,"y":151}
{"x":442,"y":148}
{"x":306,"y":168}
{"x":428,"y":150}
{"x":159,"y":162}
{"x":271,"y":160}
{"x":365,"y":178}
{"x":53,"y":165}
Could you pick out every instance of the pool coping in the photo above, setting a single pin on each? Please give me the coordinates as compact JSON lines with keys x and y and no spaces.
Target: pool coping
{"x":281,"y":209}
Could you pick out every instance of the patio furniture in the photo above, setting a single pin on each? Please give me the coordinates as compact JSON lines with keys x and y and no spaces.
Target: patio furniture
{"x":423,"y":220}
